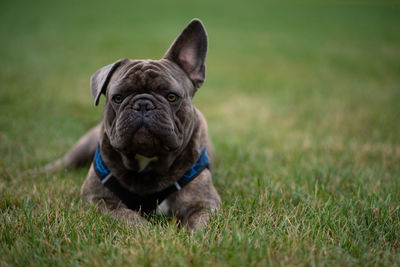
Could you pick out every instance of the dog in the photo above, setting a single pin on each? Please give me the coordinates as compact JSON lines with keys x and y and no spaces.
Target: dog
{"x":151,"y":151}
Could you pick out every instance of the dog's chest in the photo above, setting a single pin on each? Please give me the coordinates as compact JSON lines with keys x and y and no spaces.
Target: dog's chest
{"x":163,"y":208}
{"x":144,"y":161}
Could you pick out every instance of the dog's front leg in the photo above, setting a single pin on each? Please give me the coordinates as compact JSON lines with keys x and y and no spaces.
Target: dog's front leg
{"x":119,"y":211}
{"x":95,"y":192}
{"x":194,"y":203}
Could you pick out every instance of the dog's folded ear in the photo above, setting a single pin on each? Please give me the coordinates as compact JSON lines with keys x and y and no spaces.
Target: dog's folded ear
{"x":99,"y":81}
{"x":189,"y":51}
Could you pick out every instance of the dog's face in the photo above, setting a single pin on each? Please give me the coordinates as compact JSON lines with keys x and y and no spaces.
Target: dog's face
{"x":148,"y":109}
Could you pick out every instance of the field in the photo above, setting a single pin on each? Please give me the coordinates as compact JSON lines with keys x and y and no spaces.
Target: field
{"x":303,"y":104}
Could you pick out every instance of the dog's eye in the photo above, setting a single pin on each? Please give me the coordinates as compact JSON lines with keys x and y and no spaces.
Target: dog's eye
{"x":171,"y":97}
{"x":117,"y":99}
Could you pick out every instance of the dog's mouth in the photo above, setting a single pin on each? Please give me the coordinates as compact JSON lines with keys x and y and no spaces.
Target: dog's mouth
{"x":144,"y":136}
{"x":147,"y":139}
{"x":143,"y":147}
{"x":144,"y":142}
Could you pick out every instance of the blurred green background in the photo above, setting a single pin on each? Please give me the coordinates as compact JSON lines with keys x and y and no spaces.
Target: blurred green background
{"x":302,"y":100}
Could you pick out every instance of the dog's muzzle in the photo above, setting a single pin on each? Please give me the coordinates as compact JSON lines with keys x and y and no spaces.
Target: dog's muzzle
{"x":143,"y":105}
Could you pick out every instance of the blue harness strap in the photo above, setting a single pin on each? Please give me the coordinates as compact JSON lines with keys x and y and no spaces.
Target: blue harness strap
{"x":146,"y":203}
{"x":99,"y":167}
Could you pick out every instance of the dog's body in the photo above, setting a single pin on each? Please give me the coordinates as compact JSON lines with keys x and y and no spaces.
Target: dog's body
{"x":151,"y":133}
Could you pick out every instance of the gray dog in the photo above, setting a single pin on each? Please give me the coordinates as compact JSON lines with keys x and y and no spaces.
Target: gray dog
{"x":151,"y":150}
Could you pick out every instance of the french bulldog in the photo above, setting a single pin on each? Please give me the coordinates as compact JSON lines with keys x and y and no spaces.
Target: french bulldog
{"x":151,"y":150}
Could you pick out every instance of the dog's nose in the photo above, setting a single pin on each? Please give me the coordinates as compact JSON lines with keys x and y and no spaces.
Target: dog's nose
{"x":143,"y":105}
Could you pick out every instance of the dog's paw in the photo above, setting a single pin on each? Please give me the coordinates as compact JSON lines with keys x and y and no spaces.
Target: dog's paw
{"x":129,"y":216}
{"x":197,"y":221}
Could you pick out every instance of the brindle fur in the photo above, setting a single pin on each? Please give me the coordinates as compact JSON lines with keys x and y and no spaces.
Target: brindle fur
{"x":175,"y":134}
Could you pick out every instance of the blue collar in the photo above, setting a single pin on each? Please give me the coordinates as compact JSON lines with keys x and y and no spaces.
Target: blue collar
{"x":149,"y":202}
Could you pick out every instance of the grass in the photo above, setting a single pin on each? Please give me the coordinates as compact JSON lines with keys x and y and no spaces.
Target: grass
{"x":302,"y":100}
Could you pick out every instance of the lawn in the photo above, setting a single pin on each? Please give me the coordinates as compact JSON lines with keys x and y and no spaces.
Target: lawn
{"x":303,"y":104}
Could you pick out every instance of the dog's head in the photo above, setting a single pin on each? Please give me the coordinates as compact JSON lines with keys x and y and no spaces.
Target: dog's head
{"x":148,"y":108}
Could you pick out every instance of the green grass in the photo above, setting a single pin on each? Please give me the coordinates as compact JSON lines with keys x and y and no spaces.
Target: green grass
{"x":303,"y":104}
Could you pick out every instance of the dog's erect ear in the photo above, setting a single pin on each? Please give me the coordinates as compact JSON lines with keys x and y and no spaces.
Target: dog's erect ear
{"x":189,"y":51}
{"x":99,"y":81}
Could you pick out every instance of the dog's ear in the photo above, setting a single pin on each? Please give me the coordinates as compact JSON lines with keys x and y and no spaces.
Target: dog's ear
{"x":189,"y":51}
{"x":99,"y":81}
